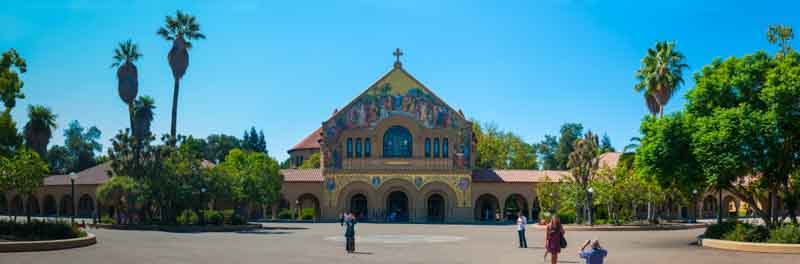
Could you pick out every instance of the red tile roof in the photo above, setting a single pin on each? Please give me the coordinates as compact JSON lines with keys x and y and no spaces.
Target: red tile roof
{"x":91,"y":176}
{"x":610,"y":159}
{"x":309,"y":142}
{"x":491,"y":175}
{"x":302,"y":175}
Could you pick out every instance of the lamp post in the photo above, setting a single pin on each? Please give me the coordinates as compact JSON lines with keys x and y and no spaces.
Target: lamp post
{"x":72,"y":178}
{"x":694,"y":206}
{"x":589,"y":206}
{"x":297,"y":208}
{"x":204,"y":204}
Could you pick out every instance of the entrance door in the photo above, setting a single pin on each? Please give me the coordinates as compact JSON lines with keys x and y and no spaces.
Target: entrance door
{"x":358,"y":204}
{"x":397,"y":207}
{"x":436,"y":208}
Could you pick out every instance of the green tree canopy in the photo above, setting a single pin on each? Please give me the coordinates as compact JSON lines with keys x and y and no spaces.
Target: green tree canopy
{"x":254,"y":177}
{"x":312,"y":162}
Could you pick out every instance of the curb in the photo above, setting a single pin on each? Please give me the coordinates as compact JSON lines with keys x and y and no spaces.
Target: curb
{"x":751,"y":247}
{"x":627,"y":228}
{"x":44,"y":245}
{"x":181,"y":229}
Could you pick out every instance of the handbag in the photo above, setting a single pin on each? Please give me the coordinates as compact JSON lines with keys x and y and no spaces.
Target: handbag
{"x":563,"y":241}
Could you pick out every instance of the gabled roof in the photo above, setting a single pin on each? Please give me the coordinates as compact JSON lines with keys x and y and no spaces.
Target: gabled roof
{"x":396,"y":71}
{"x":609,"y":159}
{"x":92,"y":176}
{"x":309,"y":142}
{"x":517,"y":176}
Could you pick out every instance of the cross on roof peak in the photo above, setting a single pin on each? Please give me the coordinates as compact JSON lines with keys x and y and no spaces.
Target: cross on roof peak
{"x":397,"y":53}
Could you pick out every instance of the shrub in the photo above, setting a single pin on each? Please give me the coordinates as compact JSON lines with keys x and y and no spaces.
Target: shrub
{"x":40,"y":230}
{"x":567,"y":217}
{"x":108,"y":220}
{"x":214,"y":217}
{"x":307,"y":214}
{"x":238,"y":219}
{"x":285,"y":214}
{"x":716,"y":231}
{"x":187,"y":217}
{"x":787,"y":234}
{"x":739,"y":233}
{"x":227,"y":214}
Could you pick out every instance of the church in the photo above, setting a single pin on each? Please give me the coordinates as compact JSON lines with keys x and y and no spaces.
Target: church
{"x":399,"y":153}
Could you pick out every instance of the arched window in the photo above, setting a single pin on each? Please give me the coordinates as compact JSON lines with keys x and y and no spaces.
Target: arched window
{"x":427,"y":147}
{"x":367,"y":148}
{"x":397,"y":142}
{"x":349,"y":147}
{"x":358,"y":147}
{"x":436,"y":147}
{"x":445,"y":148}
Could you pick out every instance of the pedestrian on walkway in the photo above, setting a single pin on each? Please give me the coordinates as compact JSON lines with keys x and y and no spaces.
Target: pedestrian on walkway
{"x":554,"y":239}
{"x":350,"y":233}
{"x":594,"y":255}
{"x":522,"y":221}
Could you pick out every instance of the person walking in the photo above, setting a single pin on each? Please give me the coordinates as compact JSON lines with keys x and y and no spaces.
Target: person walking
{"x":554,"y":239}
{"x":595,"y":255}
{"x":350,"y":233}
{"x":522,"y":221}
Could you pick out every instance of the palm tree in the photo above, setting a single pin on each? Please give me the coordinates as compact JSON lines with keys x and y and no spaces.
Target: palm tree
{"x":660,"y":75}
{"x":179,"y":30}
{"x":143,"y":114}
{"x":39,"y":129}
{"x":127,"y":76}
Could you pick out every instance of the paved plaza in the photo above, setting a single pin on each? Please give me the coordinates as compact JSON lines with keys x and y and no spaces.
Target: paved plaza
{"x":384,"y":244}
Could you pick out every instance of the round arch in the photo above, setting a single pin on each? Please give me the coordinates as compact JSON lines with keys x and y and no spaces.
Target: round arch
{"x":85,"y":206}
{"x":398,"y":142}
{"x":731,"y":206}
{"x":364,"y":196}
{"x":393,"y":186}
{"x":49,"y":208}
{"x":709,"y":206}
{"x":448,"y":200}
{"x":33,"y":206}
{"x":17,"y":207}
{"x":309,"y":201}
{"x":515,"y":203}
{"x":66,"y":207}
{"x":486,"y":207}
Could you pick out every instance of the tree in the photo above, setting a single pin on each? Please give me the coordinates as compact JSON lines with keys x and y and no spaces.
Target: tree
{"x":82,"y":144}
{"x":666,"y":155}
{"x":253,"y":141}
{"x":583,"y":163}
{"x":312,"y":162}
{"x":522,"y":155}
{"x":502,"y":150}
{"x":605,"y":144}
{"x":747,"y":132}
{"x":219,"y":145}
{"x":120,"y":192}
{"x":10,"y":139}
{"x":570,"y":132}
{"x":127,"y":75}
{"x":39,"y":129}
{"x":781,"y":35}
{"x":143,"y":117}
{"x":24,"y":172}
{"x":631,"y":147}
{"x":180,"y":30}
{"x":10,"y":83}
{"x":254,"y":178}
{"x":547,"y":150}
{"x":59,"y":160}
{"x":660,"y":75}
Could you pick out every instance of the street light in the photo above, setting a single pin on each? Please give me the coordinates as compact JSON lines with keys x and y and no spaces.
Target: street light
{"x":204,"y":204}
{"x":694,"y":206}
{"x":72,"y":178}
{"x":297,"y":208}
{"x":591,"y":190}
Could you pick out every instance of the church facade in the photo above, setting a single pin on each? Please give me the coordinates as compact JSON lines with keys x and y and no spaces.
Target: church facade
{"x":399,"y":153}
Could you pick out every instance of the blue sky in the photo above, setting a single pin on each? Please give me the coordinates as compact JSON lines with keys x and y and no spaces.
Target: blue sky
{"x":283,"y":66}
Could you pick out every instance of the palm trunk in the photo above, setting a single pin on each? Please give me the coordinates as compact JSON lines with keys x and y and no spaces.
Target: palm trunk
{"x":130,"y":115}
{"x":172,"y":129}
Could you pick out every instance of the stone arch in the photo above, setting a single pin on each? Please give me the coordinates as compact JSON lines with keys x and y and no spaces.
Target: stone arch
{"x":17,"y":207}
{"x":486,"y":207}
{"x":514,"y":203}
{"x":535,"y":208}
{"x":447,"y":195}
{"x":309,"y":201}
{"x":65,"y":206}
{"x":49,"y":208}
{"x":709,"y":206}
{"x":731,"y":206}
{"x":3,"y":204}
{"x":413,"y":126}
{"x":388,"y":192}
{"x":32,"y":206}
{"x":348,"y":192}
{"x":85,"y":206}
